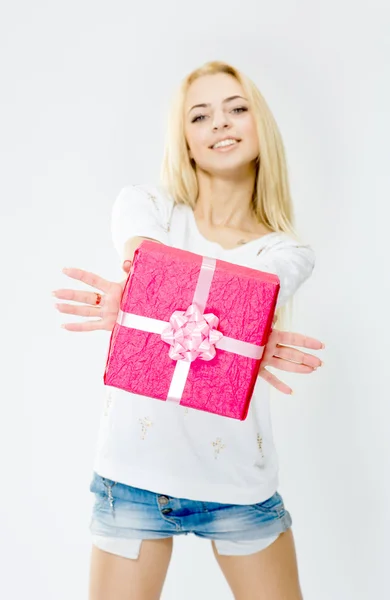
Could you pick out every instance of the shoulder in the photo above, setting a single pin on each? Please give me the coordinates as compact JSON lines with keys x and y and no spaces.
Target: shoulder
{"x":289,"y":258}
{"x":140,"y":211}
{"x":146,"y":195}
{"x":285,"y":244}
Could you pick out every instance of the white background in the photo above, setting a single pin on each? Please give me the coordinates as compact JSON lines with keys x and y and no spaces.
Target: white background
{"x":84,"y":93}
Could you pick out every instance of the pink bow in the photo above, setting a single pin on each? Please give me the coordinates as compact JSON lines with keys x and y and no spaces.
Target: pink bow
{"x":192,"y":334}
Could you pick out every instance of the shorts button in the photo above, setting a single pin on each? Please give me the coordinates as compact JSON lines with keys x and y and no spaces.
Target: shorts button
{"x":166,"y":511}
{"x":163,"y":500}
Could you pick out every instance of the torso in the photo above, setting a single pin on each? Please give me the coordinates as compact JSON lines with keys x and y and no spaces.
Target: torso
{"x":181,"y":451}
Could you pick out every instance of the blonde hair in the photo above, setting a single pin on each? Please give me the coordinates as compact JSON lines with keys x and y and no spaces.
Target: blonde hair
{"x":271,"y":199}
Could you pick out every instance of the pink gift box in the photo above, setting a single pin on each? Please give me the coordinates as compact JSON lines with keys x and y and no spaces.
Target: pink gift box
{"x":207,"y":355}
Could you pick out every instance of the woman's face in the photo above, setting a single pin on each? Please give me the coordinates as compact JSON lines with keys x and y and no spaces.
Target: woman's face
{"x":219,"y":126}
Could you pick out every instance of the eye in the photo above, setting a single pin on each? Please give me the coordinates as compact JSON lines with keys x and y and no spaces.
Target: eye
{"x":240,"y":109}
{"x":198,"y":118}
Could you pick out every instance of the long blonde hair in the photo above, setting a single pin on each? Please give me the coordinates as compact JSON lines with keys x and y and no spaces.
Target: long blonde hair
{"x":271,"y":199}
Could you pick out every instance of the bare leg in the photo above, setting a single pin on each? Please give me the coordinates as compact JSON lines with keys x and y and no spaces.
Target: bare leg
{"x":113,"y":577}
{"x":271,"y":574}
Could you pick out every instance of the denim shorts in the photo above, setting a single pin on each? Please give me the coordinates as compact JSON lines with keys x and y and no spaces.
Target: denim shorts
{"x":123,"y":516}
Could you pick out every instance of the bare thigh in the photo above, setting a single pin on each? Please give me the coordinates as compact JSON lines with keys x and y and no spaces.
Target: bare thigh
{"x":271,"y":574}
{"x":113,"y":577}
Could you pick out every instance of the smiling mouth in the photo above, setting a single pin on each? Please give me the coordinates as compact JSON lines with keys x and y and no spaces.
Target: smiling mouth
{"x":225,"y":143}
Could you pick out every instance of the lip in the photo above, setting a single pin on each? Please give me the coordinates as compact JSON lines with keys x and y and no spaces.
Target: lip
{"x":228,"y":137}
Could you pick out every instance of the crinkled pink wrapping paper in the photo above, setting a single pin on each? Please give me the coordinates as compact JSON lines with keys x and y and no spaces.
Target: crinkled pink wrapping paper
{"x":162,"y":280}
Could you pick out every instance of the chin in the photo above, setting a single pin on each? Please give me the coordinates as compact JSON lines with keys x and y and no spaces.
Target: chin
{"x":229,"y":166}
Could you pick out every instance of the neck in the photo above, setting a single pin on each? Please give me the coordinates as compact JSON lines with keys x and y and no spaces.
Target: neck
{"x":225,"y":202}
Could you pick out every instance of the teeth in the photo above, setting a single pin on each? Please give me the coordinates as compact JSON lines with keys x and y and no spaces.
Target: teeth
{"x":225,"y":143}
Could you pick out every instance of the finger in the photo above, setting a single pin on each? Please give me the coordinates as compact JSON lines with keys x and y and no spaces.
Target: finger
{"x":270,"y":346}
{"x":76,"y":296}
{"x":297,"y":356}
{"x":82,"y":311}
{"x":288,"y":338}
{"x":89,"y":278}
{"x":286,"y":365}
{"x":275,"y":382}
{"x":126,"y":266}
{"x":84,"y":326}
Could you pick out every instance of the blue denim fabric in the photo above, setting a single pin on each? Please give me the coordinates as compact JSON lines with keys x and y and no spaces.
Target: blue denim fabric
{"x":127,"y":512}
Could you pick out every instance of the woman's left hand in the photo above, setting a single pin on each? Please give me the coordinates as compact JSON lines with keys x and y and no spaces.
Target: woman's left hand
{"x":279,"y":354}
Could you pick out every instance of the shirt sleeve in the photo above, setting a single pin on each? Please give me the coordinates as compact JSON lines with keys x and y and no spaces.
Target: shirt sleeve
{"x":291,"y":261}
{"x":139,"y":211}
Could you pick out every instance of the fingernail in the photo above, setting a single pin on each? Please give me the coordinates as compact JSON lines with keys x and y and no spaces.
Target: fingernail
{"x":54,"y":293}
{"x":323,"y":346}
{"x":291,"y":393}
{"x":63,"y":326}
{"x":65,"y":269}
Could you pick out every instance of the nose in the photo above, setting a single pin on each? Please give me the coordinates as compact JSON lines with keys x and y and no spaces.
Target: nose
{"x":220,"y":120}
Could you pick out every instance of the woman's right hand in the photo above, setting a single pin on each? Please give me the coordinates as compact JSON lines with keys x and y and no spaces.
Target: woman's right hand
{"x":106,"y":311}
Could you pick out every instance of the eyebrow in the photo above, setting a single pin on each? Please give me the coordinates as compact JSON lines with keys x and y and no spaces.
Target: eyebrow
{"x":223,"y":102}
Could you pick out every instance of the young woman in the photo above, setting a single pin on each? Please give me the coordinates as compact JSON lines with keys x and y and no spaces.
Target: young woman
{"x":163,"y":470}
